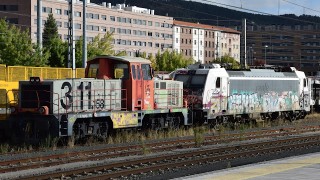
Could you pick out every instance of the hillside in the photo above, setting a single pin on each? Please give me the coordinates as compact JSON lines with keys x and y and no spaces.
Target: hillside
{"x":211,"y":14}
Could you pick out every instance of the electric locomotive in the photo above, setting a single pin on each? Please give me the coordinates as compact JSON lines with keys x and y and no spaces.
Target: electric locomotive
{"x":217,"y":95}
{"x":118,"y":92}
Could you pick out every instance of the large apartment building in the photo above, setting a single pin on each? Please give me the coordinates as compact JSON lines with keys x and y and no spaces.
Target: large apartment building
{"x":204,"y":43}
{"x":297,"y":46}
{"x":134,"y":29}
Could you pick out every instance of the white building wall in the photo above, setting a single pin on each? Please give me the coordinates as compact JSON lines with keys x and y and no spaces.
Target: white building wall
{"x":198,"y":44}
{"x":176,"y":39}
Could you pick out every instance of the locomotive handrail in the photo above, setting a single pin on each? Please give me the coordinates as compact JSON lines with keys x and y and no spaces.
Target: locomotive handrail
{"x":79,"y":102}
{"x":171,"y":98}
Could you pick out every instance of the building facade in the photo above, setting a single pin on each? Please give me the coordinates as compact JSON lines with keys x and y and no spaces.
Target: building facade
{"x":134,"y":29}
{"x":297,"y":46}
{"x":204,"y":43}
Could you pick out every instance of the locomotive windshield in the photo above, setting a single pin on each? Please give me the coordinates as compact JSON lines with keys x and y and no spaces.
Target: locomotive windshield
{"x":192,"y":81}
{"x":93,"y":70}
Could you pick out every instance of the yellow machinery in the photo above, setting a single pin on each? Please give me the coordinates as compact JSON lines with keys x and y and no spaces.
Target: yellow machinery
{"x":11,"y":75}
{"x":9,"y":85}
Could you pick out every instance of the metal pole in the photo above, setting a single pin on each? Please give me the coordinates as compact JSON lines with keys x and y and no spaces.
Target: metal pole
{"x":39,"y":23}
{"x":84,"y":27}
{"x":265,"y":54}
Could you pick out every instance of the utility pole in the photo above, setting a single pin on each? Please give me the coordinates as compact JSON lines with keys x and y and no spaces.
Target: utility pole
{"x":84,"y":34}
{"x":71,"y":43}
{"x":243,"y":60}
{"x":39,"y":23}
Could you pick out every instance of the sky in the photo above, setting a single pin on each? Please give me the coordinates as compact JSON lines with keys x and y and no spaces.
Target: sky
{"x":275,"y":7}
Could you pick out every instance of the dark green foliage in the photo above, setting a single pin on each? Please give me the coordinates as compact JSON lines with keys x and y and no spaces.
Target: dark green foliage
{"x":52,"y":44}
{"x":50,"y":31}
{"x":16,"y":47}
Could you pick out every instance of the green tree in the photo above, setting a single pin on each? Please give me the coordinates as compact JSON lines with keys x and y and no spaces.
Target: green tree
{"x":53,"y":44}
{"x":169,"y":61}
{"x":16,"y":47}
{"x":58,"y":53}
{"x":227,"y":61}
{"x":50,"y":31}
{"x":99,"y":46}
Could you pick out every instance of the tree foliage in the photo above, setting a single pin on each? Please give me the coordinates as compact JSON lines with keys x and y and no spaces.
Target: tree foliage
{"x":16,"y":47}
{"x":50,"y":31}
{"x":169,"y":61}
{"x":227,"y":61}
{"x":99,"y":46}
{"x":57,"y":49}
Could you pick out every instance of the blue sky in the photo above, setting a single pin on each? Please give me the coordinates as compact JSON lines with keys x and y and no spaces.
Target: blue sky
{"x":274,"y":6}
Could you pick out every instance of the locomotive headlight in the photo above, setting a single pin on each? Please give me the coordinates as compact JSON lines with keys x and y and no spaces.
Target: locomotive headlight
{"x":43,"y":110}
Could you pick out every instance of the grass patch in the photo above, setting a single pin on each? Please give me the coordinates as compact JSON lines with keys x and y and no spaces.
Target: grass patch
{"x":4,"y":148}
{"x":49,"y":143}
{"x":199,"y":135}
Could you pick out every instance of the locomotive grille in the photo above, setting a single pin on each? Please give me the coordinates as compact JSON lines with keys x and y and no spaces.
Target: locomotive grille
{"x":35,"y":95}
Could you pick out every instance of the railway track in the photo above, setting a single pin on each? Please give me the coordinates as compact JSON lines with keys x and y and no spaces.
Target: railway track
{"x":138,"y":149}
{"x":133,"y":168}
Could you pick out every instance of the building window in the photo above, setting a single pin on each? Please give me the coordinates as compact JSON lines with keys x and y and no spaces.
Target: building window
{"x":149,"y":23}
{"x":157,"y":24}
{"x":59,"y":23}
{"x":77,"y":14}
{"x":112,"y":18}
{"x":195,"y":52}
{"x":177,"y":30}
{"x":58,"y":11}
{"x":150,"y":44}
{"x":195,"y":42}
{"x":103,"y":29}
{"x":46,"y":9}
{"x":103,"y":17}
{"x":112,"y":29}
{"x":95,"y":16}
{"x":66,"y":12}
{"x":77,"y":26}
{"x":177,"y":40}
{"x":149,"y":33}
{"x":8,"y":7}
{"x":195,"y":31}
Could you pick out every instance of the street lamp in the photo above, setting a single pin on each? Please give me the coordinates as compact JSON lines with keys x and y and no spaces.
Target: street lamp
{"x":265,"y":54}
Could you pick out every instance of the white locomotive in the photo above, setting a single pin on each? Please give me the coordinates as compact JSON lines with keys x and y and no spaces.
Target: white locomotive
{"x":219,"y":95}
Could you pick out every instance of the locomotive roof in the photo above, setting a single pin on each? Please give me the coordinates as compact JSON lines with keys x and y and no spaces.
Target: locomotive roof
{"x":123,"y":58}
{"x":261,"y":73}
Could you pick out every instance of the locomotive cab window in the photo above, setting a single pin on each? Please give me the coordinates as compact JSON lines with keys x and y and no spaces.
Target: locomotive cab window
{"x":146,"y":71}
{"x":218,"y":82}
{"x":121,"y":71}
{"x":304,"y":83}
{"x":93,"y":70}
{"x":133,"y":70}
